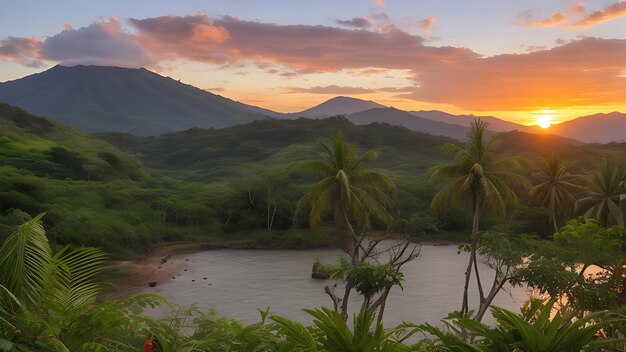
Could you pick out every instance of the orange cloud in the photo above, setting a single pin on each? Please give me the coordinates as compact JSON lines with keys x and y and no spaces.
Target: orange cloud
{"x":426,"y":24}
{"x":583,"y":72}
{"x":611,"y":12}
{"x":380,"y":2}
{"x":556,"y":19}
{"x":190,"y":37}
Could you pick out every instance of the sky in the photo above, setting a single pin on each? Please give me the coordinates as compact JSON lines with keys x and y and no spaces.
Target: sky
{"x":524,"y":61}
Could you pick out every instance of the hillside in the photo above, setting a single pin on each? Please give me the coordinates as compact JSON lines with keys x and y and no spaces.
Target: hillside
{"x":49,"y":149}
{"x":92,"y":192}
{"x":137,"y":101}
{"x":215,"y":154}
{"x":337,"y":106}
{"x":397,"y":117}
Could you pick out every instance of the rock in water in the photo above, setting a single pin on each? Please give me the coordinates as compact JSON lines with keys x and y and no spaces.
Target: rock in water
{"x":318,"y":272}
{"x":153,"y":283}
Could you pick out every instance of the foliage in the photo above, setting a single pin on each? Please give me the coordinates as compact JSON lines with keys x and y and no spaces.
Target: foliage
{"x":332,"y":334}
{"x":560,"y":269}
{"x":555,"y":188}
{"x":540,"y":328}
{"x":605,"y":194}
{"x":348,"y":189}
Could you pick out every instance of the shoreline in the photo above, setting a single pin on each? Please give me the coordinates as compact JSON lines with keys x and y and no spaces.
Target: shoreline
{"x":133,"y":276}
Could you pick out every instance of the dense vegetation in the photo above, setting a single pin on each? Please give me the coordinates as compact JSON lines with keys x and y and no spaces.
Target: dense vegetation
{"x":100,"y":195}
{"x":206,"y":183}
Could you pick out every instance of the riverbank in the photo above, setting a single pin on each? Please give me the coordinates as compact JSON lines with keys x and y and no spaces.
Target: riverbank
{"x":166,"y":261}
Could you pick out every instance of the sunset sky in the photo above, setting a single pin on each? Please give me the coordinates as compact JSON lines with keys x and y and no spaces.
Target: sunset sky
{"x":523,"y":61}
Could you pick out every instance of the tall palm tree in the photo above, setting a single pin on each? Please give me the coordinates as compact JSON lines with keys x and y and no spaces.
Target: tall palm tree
{"x":605,"y":195}
{"x":480,"y":179}
{"x":348,"y":189}
{"x":556,"y":188}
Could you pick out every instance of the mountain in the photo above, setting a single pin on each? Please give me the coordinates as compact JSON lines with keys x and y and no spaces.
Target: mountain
{"x":598,"y":128}
{"x":397,"y":117}
{"x":137,"y":101}
{"x":338,"y":106}
{"x":495,"y":124}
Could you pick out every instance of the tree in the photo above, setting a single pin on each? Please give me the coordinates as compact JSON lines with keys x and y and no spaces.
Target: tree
{"x":353,"y":193}
{"x":605,"y":194}
{"x":480,"y":179}
{"x":555,"y":188}
{"x":347,"y":189}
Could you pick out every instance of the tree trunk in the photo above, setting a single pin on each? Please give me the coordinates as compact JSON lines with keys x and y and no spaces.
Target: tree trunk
{"x":556,"y":227}
{"x":272,"y":218}
{"x":344,"y":301}
{"x":495,"y":288}
{"x":269,"y":227}
{"x":468,"y":272}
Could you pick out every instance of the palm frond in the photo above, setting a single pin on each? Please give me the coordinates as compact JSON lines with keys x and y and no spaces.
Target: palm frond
{"x":25,"y":261}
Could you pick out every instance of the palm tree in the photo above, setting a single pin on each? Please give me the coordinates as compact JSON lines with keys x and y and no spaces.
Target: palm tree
{"x":605,"y":195}
{"x":480,"y":179}
{"x":555,"y":188}
{"x":350,"y":191}
{"x":347,"y":189}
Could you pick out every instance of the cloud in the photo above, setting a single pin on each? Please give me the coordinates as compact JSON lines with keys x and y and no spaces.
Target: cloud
{"x":426,"y":24}
{"x":396,"y":89}
{"x":582,"y":72}
{"x":357,"y":22}
{"x":380,"y":2}
{"x":611,"y":12}
{"x":24,"y":51}
{"x":578,"y":72}
{"x":189,"y":37}
{"x":332,"y":90}
{"x":343,"y":90}
{"x":101,"y":43}
{"x":556,"y":19}
{"x":302,"y":48}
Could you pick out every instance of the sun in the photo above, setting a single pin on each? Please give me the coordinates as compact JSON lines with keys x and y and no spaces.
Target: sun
{"x":544,"y":120}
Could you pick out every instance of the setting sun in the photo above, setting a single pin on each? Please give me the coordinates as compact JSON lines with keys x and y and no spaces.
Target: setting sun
{"x":544,"y":118}
{"x":544,"y":121}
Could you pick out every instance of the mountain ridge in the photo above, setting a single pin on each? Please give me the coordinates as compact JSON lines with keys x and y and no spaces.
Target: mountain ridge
{"x":141,"y":102}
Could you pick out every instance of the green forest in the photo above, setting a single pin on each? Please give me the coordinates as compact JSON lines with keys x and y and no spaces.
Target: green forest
{"x":539,"y":210}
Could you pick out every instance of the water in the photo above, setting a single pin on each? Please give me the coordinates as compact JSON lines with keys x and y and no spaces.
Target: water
{"x":240,"y":281}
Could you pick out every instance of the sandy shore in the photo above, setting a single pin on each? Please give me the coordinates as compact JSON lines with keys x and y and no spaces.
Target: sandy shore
{"x":164,"y":262}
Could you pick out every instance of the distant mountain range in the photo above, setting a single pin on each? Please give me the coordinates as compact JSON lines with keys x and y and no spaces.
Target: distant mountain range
{"x":141,"y":102}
